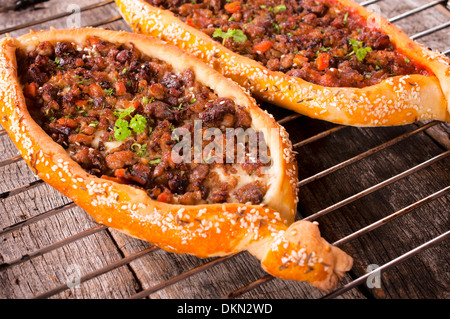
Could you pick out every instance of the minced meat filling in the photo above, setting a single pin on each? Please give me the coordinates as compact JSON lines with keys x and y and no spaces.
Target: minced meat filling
{"x":115,"y":110}
{"x":319,"y":41}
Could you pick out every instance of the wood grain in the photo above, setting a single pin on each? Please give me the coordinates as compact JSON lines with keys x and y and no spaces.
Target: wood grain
{"x":423,"y":276}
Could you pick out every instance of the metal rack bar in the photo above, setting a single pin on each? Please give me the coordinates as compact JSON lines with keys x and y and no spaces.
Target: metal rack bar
{"x":289,"y":118}
{"x":219,"y":260}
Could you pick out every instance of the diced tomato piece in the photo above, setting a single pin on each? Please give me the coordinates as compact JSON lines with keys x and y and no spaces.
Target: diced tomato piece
{"x":67,"y":122}
{"x":262,"y":46}
{"x":323,"y":61}
{"x":30,"y":90}
{"x":233,"y":7}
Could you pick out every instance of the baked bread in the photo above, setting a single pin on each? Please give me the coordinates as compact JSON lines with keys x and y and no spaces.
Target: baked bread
{"x":327,"y":59}
{"x":95,"y":113}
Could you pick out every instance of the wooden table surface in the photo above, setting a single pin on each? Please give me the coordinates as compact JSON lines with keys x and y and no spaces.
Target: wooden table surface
{"x":43,"y":247}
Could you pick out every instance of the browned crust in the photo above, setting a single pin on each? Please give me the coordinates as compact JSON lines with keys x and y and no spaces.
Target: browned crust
{"x":201,"y":230}
{"x":395,"y":101}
